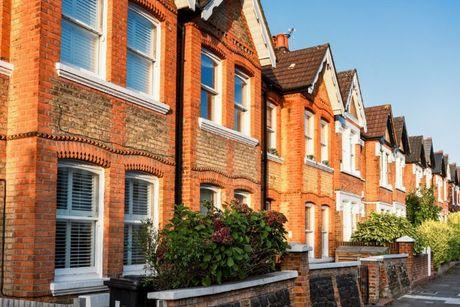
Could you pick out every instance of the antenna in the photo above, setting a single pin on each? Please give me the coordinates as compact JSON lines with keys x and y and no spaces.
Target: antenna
{"x":289,"y":32}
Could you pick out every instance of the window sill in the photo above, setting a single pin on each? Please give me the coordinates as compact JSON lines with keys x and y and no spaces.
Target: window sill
{"x":318,"y":165}
{"x":76,"y":284}
{"x":274,"y":158}
{"x":93,"y":81}
{"x":225,"y":132}
{"x":356,"y":174}
{"x":402,"y":189}
{"x":6,"y":68}
{"x":388,"y":187}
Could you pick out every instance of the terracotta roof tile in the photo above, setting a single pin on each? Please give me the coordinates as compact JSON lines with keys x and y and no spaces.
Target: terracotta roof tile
{"x":399,"y":123}
{"x":345,"y":79}
{"x":296,"y":69}
{"x":377,"y":118}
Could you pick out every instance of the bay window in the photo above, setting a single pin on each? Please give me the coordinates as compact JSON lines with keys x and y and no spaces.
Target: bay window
{"x":243,"y":197}
{"x":324,"y":142}
{"x":141,"y":59}
{"x":241,"y":103}
{"x":384,"y":159}
{"x":210,"y":104}
{"x":81,"y":34}
{"x":310,"y":227}
{"x":309,"y":126}
{"x":271,"y":127}
{"x":400,"y":163}
{"x":141,"y":197}
{"x":78,"y":241}
{"x":209,"y":194}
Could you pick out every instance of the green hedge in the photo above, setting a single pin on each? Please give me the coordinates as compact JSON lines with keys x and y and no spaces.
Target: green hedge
{"x":232,"y":244}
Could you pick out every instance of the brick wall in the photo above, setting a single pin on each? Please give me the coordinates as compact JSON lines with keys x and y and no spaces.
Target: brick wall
{"x":210,"y":158}
{"x":49,"y":118}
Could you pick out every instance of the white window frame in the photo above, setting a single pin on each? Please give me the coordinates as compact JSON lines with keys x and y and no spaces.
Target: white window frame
{"x":325,"y":228}
{"x":309,"y":128}
{"x":217,"y":193}
{"x":310,"y":233}
{"x":153,"y":213}
{"x":399,"y":171}
{"x":245,"y":194}
{"x":324,"y":141}
{"x":245,"y":108}
{"x":216,"y":92}
{"x":101,"y":57}
{"x":272,"y":131}
{"x":155,"y":86}
{"x":73,"y":274}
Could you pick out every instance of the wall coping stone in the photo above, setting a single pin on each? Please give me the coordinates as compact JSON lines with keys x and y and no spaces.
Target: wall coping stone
{"x":298,"y":248}
{"x":405,"y":239}
{"x":384,"y":257}
{"x":318,"y":165}
{"x":333,"y":265}
{"x":274,"y":158}
{"x":177,"y":294}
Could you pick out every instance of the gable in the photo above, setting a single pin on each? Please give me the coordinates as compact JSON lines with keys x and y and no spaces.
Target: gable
{"x":352,"y":108}
{"x":329,"y":76}
{"x":255,"y":20}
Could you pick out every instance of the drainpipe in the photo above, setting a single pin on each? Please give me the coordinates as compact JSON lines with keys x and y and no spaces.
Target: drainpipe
{"x":263,"y":142}
{"x":183,"y":17}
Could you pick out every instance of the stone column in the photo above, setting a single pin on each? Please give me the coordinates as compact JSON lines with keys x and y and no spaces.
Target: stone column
{"x":297,"y":259}
{"x":406,"y":246}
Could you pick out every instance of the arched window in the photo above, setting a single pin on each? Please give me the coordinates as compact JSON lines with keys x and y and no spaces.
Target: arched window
{"x":325,"y":231}
{"x":310,"y":227}
{"x":209,"y":193}
{"x":243,"y":197}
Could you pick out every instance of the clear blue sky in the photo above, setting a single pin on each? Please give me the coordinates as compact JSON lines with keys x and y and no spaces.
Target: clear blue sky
{"x":407,"y":53}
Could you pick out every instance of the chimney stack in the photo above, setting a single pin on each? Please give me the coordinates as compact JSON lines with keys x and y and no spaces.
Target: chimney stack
{"x":281,"y":41}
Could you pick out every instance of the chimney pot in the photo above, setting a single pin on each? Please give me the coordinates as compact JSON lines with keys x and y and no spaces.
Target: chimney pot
{"x":281,"y":41}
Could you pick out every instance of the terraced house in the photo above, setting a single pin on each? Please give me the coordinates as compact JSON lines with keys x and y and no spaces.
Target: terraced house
{"x":384,"y":162}
{"x":349,"y":182}
{"x":440,"y":182}
{"x":416,"y":164}
{"x":303,"y":89}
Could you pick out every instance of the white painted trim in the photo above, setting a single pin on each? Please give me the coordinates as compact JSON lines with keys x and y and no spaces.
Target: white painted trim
{"x":180,"y":4}
{"x":91,"y":80}
{"x":209,"y":8}
{"x":68,"y":275}
{"x":356,"y":174}
{"x":178,"y":294}
{"x":215,"y":128}
{"x":85,"y":284}
{"x":318,"y":165}
{"x":333,"y":265}
{"x":6,"y":68}
{"x":274,"y":158}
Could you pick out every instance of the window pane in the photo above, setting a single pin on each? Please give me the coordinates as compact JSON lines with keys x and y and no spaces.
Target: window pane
{"x":308,"y":218}
{"x":206,"y":195}
{"x":83,"y":191}
{"x":62,"y":187}
{"x":208,"y":67}
{"x":126,"y":245}
{"x":238,"y":119}
{"x":207,"y":100}
{"x":140,"y":197}
{"x":81,"y":244}
{"x":141,"y":33}
{"x":60,"y":244}
{"x":137,"y":252}
{"x":269,"y":117}
{"x":85,"y":11}
{"x":78,"y":46}
{"x":239,"y":91}
{"x":139,"y":73}
{"x":128,"y":195}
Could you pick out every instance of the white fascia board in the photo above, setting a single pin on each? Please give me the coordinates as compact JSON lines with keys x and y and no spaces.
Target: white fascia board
{"x":180,"y":4}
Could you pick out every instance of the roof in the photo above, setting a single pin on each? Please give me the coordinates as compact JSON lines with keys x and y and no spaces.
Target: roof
{"x":377,"y":120}
{"x":453,"y":172}
{"x":428,"y":147}
{"x":417,"y":154}
{"x":345,"y":79}
{"x":399,"y":123}
{"x":296,"y":69}
{"x":438,"y":163}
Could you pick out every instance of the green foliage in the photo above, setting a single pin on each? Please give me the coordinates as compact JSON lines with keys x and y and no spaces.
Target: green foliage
{"x":385,"y":228}
{"x":437,"y":235}
{"x":421,"y":206}
{"x":232,"y":244}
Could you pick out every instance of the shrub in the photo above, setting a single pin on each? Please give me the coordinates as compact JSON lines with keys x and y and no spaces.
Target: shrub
{"x":232,"y":244}
{"x":437,"y":235}
{"x":421,"y":207}
{"x":385,"y":228}
{"x":453,"y":220}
